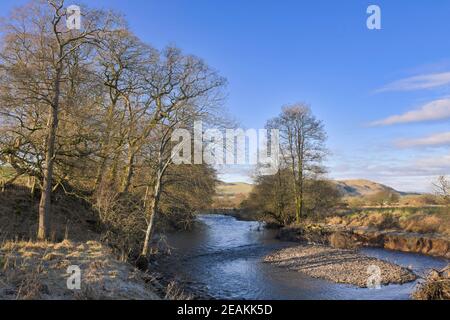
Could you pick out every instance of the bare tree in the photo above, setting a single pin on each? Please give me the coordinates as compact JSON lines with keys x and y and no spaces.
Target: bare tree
{"x":442,"y":188}
{"x":184,"y":89}
{"x":302,"y":147}
{"x":123,"y":60}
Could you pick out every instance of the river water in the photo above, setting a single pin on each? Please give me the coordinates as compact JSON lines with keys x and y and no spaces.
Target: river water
{"x":223,"y":256}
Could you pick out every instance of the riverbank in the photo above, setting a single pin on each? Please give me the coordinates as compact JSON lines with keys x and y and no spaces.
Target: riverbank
{"x":39,"y":270}
{"x":349,"y":238}
{"x":401,"y":229}
{"x":30,"y":269}
{"x":338,"y":265}
{"x":435,"y":287}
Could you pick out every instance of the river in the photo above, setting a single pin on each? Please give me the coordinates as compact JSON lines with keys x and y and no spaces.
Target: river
{"x":223,"y":257}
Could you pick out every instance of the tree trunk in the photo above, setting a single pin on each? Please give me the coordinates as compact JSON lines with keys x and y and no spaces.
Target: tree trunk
{"x":298,"y":204}
{"x":297,"y":209}
{"x":296,"y":190}
{"x":45,"y":203}
{"x":300,"y":184}
{"x":301,"y":196}
{"x":106,"y":145}
{"x":33,"y":187}
{"x":279,"y":199}
{"x":129,"y":171}
{"x":100,"y":173}
{"x":153,"y":209}
{"x":147,"y":194}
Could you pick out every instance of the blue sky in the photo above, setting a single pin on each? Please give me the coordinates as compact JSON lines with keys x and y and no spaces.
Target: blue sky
{"x":320,"y":52}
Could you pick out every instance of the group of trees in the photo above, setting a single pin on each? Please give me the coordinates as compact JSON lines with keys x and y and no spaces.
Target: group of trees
{"x":299,"y":188}
{"x":91,"y":112}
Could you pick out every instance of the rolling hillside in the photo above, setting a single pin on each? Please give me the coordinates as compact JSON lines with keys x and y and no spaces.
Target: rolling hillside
{"x":230,"y":195}
{"x":358,"y":188}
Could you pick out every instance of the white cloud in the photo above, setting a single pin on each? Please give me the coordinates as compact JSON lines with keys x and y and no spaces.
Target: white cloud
{"x":434,"y":110}
{"x":420,"y":82}
{"x":439,"y":139}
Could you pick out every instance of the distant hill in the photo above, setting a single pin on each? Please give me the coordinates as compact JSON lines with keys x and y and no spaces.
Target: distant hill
{"x":234,"y":188}
{"x":357,"y":188}
{"x":230,"y":195}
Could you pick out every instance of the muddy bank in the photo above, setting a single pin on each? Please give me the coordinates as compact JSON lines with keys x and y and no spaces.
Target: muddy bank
{"x":340,"y":237}
{"x":339,"y":265}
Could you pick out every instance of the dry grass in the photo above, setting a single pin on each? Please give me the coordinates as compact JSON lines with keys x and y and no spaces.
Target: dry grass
{"x":435,"y":287}
{"x":175,"y":292}
{"x":234,"y":188}
{"x":427,"y":224}
{"x":38,"y":270}
{"x":419,"y":220}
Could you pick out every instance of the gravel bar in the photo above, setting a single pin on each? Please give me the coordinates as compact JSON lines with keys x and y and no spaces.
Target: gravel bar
{"x":339,"y":265}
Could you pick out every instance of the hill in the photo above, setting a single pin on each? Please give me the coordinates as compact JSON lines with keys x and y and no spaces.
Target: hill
{"x":230,"y":195}
{"x":361,"y":187}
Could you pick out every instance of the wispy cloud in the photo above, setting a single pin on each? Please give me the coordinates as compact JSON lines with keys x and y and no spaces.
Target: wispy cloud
{"x":439,"y":139}
{"x":426,"y":81}
{"x":403,"y":174}
{"x":432,"y":111}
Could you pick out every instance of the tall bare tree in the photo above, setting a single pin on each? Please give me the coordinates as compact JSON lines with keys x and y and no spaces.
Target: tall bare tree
{"x":184,"y":89}
{"x":302,"y":139}
{"x":123,"y":60}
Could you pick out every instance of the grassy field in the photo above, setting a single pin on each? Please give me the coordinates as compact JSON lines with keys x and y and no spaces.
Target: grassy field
{"x":433,"y":219}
